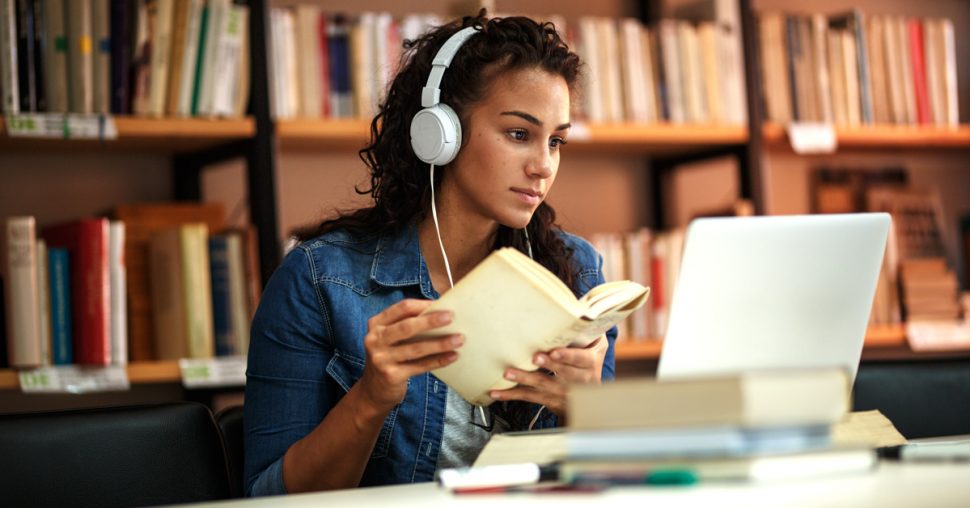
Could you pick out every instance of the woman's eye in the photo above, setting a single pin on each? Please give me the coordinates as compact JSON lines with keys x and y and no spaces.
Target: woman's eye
{"x":518,"y":134}
{"x":557,"y":142}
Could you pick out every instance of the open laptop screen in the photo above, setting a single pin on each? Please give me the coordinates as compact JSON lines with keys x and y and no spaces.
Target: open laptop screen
{"x":773,"y":293}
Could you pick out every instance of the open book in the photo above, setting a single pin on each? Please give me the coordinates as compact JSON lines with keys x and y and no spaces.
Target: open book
{"x":509,"y":307}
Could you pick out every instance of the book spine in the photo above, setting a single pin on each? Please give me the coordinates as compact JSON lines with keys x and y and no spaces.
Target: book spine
{"x":204,"y":23}
{"x":915,"y":32}
{"x":190,"y":55}
{"x":197,"y":290}
{"x":80,"y":61}
{"x":55,"y":57}
{"x":118,"y":293}
{"x":101,"y":56}
{"x":62,"y":351}
{"x":161,"y":43}
{"x":23,"y":339}
{"x":120,"y":56}
{"x":239,"y":313}
{"x":43,"y":305}
{"x":221,"y":315}
{"x":40,"y":66}
{"x":9,"y":84}
{"x":25,"y":56}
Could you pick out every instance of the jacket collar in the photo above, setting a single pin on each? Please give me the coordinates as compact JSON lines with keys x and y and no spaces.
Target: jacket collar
{"x":398,"y":262}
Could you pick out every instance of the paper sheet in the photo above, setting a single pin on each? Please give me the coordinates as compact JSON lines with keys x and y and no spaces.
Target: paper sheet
{"x":866,"y":428}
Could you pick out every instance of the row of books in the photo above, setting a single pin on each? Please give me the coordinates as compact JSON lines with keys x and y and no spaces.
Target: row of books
{"x":149,"y":284}
{"x":649,"y":258}
{"x":852,"y":69}
{"x":327,"y":65}
{"x":916,"y":283}
{"x":143,"y":57}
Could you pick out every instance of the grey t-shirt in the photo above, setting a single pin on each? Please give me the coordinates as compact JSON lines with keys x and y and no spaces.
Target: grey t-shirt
{"x":462,"y":441}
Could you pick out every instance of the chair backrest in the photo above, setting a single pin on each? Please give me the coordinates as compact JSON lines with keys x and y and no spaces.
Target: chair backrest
{"x":122,"y":456}
{"x":230,"y":422}
{"x":922,"y":399}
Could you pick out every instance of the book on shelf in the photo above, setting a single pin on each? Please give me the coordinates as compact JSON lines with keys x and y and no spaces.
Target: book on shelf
{"x":747,"y":400}
{"x":832,"y":461}
{"x":121,"y":56}
{"x":22,"y":293}
{"x":509,"y":307}
{"x":181,"y":292}
{"x":142,"y":220}
{"x":87,"y":243}
{"x":59,"y":277}
{"x":853,"y":69}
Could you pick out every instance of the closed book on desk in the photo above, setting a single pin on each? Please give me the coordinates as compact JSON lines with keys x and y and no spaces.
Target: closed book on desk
{"x":509,"y":307}
{"x":751,"y":399}
{"x":757,"y":468}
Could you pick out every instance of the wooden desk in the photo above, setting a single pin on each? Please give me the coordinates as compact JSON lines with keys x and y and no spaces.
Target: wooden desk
{"x":891,"y":485}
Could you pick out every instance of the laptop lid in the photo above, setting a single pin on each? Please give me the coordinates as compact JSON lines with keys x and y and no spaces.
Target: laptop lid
{"x":774,"y":292}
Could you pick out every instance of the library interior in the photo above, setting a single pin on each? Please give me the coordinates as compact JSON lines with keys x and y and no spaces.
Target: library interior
{"x":159,"y":158}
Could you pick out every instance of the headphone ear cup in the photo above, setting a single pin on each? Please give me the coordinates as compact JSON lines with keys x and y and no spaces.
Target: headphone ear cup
{"x":436,"y":134}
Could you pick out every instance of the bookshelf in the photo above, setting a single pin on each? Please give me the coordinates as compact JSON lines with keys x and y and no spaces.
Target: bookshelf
{"x":656,"y":139}
{"x":192,"y":144}
{"x":139,"y":134}
{"x":884,"y":137}
{"x":138,"y":373}
{"x":885,"y":342}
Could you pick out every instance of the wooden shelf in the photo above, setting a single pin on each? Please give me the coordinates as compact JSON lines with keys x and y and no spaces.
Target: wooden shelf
{"x":138,"y":373}
{"x":879,"y":340}
{"x":884,"y":137}
{"x":351,"y":135}
{"x":167,"y":135}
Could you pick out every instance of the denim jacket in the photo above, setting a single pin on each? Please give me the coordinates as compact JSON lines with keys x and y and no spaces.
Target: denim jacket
{"x":306,"y":351}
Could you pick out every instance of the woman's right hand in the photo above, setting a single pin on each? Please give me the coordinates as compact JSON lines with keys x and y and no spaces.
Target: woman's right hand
{"x":392,"y":359}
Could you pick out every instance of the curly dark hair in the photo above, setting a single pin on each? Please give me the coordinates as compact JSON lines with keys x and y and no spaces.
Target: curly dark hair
{"x":399,"y":180}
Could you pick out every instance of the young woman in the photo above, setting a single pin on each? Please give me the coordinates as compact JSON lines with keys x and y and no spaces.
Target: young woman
{"x":336,"y":397}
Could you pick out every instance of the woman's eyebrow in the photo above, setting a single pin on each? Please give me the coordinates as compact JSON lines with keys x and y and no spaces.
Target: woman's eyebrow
{"x":533,"y":120}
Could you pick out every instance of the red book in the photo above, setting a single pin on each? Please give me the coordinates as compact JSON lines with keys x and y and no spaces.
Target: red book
{"x":923,"y":114}
{"x":87,"y":243}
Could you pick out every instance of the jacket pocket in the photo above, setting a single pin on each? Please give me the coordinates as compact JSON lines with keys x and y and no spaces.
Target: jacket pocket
{"x":346,"y":371}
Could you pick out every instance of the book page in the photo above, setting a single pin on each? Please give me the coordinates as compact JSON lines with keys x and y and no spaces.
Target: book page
{"x":868,"y":428}
{"x":506,"y":317}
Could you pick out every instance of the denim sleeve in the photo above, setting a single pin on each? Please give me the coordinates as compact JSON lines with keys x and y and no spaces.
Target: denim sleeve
{"x":590,"y":277}
{"x":287,"y":391}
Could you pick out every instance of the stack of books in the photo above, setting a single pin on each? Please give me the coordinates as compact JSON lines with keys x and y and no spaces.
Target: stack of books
{"x":736,"y":427}
{"x":754,"y":426}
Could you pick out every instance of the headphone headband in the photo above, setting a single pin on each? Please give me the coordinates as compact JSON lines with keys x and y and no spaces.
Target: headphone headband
{"x":431,"y":93}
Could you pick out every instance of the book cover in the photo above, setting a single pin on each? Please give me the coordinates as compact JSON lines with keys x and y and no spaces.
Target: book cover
{"x":101,"y":56}
{"x":221,"y":317}
{"x":55,"y":57}
{"x":752,"y":399}
{"x":510,"y":307}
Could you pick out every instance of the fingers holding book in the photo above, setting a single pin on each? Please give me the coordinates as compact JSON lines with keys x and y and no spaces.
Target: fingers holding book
{"x":392,"y":355}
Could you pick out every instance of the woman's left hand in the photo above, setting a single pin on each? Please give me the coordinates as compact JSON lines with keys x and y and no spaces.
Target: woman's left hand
{"x":568,"y":365}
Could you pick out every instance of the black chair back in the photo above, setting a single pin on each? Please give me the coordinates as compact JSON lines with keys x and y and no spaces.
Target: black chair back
{"x":230,"y":422}
{"x":921,"y":398}
{"x":122,"y":456}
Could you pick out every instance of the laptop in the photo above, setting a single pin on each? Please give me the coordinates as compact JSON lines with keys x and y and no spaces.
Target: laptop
{"x":773,"y":292}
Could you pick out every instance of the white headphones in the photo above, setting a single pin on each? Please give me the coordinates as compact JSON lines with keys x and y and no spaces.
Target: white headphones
{"x":436,"y":130}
